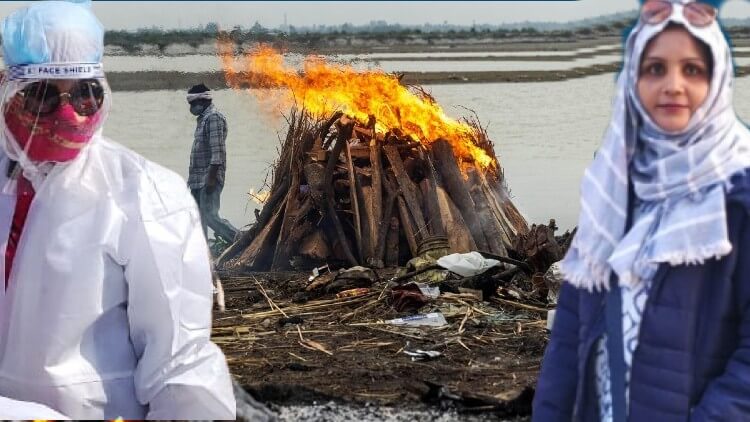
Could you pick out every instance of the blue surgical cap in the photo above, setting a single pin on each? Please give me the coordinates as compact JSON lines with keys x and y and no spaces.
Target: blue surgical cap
{"x":52,"y":32}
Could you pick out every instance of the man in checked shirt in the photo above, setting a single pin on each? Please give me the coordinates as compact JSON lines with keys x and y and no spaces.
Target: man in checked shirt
{"x":208,"y":161}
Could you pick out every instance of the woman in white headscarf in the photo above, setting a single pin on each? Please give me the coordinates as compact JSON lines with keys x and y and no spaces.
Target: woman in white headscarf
{"x":105,"y":308}
{"x":653,"y":322}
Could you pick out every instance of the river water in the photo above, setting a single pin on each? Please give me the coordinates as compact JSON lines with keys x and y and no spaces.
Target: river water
{"x":545,"y":133}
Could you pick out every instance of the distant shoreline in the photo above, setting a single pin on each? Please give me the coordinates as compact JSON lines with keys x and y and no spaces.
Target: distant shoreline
{"x":470,"y":45}
{"x":353,"y":44}
{"x":155,"y":80}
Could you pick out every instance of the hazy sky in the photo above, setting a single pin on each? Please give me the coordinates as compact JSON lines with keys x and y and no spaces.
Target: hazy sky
{"x":172,"y":14}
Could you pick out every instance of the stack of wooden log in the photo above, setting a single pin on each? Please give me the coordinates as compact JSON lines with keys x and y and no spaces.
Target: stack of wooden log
{"x":345,"y":195}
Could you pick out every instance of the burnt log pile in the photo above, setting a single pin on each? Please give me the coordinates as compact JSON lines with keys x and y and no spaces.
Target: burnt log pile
{"x":344,"y":194}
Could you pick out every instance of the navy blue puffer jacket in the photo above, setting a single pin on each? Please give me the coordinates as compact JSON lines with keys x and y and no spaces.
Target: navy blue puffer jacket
{"x":693,"y":356}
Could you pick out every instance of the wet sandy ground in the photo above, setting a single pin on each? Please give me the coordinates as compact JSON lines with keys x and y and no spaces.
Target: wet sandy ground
{"x":336,"y":412}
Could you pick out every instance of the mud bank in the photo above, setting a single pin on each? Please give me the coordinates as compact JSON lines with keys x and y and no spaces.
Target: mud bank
{"x":351,"y":45}
{"x":155,"y":80}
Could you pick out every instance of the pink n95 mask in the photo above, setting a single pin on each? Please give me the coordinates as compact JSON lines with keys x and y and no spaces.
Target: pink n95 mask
{"x":52,"y":120}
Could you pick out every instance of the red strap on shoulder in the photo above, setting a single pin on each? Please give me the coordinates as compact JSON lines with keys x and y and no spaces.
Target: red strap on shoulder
{"x":24,"y":196}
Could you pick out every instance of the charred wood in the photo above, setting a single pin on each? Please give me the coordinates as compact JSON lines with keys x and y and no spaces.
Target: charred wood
{"x":344,"y":135}
{"x":406,"y":186}
{"x":454,"y":185}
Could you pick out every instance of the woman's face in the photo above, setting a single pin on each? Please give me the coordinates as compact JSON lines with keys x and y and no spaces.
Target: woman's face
{"x":673,"y":79}
{"x":52,"y":120}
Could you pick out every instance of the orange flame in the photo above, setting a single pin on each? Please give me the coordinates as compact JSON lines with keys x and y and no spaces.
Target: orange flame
{"x":323,"y":88}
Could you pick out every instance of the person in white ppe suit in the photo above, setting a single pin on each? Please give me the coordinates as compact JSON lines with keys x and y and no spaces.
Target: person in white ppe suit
{"x":105,"y":311}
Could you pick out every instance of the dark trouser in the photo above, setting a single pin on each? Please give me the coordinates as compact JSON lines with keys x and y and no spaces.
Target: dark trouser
{"x":208,"y":205}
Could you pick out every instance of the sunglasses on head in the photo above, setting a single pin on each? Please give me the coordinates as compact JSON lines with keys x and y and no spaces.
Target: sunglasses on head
{"x":697,"y":14}
{"x":42,"y":98}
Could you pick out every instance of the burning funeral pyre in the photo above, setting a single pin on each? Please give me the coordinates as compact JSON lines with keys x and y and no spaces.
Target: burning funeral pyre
{"x":370,"y":173}
{"x":374,"y":174}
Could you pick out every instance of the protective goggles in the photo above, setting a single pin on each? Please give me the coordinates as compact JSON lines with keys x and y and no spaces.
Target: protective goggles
{"x":697,"y":14}
{"x":43,"y":97}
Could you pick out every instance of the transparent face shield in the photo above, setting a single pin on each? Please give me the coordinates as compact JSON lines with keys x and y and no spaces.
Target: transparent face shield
{"x":50,"y":121}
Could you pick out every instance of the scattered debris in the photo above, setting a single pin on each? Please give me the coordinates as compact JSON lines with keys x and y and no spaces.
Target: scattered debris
{"x":419,"y":355}
{"x":478,"y":294}
{"x":294,"y":320}
{"x":467,"y":264}
{"x":338,"y":345}
{"x":311,"y":344}
{"x":433,"y":319}
{"x":316,"y":272}
{"x":408,"y":298}
{"x":357,"y":273}
{"x":431,"y":292}
{"x":353,"y":292}
{"x":218,"y":292}
{"x":553,"y":279}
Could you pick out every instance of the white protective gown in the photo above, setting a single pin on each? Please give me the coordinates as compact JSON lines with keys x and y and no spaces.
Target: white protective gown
{"x":107,"y":313}
{"x":22,"y":410}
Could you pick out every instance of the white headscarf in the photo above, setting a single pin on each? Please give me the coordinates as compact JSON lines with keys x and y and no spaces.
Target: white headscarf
{"x":680,"y":179}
